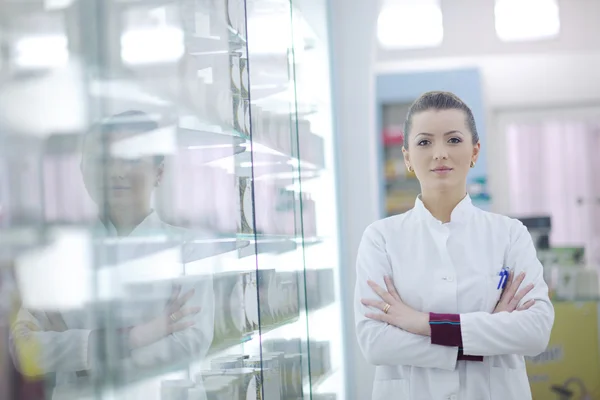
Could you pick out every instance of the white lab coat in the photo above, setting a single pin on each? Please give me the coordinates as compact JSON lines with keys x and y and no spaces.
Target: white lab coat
{"x":452,"y":268}
{"x":61,"y":339}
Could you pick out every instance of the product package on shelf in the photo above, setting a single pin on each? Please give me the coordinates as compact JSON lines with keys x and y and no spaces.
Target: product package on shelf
{"x":320,"y":353}
{"x":24,"y":205}
{"x":244,"y":383}
{"x":238,"y":111}
{"x":276,"y":361}
{"x":251,"y":300}
{"x":287,"y":212}
{"x":247,"y":112}
{"x":276,"y":132}
{"x":232,"y":361}
{"x":244,"y":79}
{"x":320,"y":358}
{"x":272,"y":375}
{"x":230,"y":319}
{"x":65,"y":198}
{"x":289,"y":302}
{"x":235,"y":74}
{"x":246,"y":200}
{"x":311,"y":146}
{"x":282,"y":345}
{"x":281,"y":374}
{"x":218,"y":10}
{"x":320,"y":288}
{"x":272,"y":130}
{"x":211,"y":85}
{"x":256,"y":121}
{"x":309,"y":216}
{"x":256,"y":203}
{"x":268,"y":296}
{"x":236,"y":16}
{"x":293,"y":367}
{"x":239,"y":101}
{"x":193,"y":194}
{"x":277,"y":209}
{"x":194,"y":89}
{"x":222,"y":387}
{"x":274,"y":294}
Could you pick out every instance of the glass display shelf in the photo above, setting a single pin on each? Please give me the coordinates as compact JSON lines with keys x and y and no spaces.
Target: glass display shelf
{"x":120,"y":377}
{"x":169,"y":213}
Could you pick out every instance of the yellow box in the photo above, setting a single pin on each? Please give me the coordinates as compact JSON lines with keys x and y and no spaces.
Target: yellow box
{"x":571,"y":363}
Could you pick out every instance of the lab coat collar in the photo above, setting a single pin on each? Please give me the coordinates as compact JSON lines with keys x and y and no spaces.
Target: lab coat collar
{"x":148,"y":224}
{"x":461,"y":213}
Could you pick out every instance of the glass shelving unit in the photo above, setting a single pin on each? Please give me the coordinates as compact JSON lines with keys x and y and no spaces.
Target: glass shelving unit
{"x":168,"y":212}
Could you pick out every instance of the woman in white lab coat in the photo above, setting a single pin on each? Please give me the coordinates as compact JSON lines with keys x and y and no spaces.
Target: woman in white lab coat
{"x":174,"y":326}
{"x":449,"y":298}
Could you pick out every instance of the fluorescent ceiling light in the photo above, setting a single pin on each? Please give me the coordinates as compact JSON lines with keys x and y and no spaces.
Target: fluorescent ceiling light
{"x":42,"y":51}
{"x":525,"y":20}
{"x":152,"y":45}
{"x":57,"y":4}
{"x":409,"y":24}
{"x":57,"y":99}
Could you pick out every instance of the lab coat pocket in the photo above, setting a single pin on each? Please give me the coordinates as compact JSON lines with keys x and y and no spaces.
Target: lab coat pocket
{"x":493,"y":292}
{"x":396,"y":389}
{"x":509,"y":384}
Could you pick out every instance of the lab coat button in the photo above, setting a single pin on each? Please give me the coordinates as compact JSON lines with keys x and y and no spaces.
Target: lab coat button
{"x":453,"y":397}
{"x":449,"y":278}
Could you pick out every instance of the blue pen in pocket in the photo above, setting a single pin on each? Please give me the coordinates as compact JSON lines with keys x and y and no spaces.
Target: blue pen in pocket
{"x":503,"y":278}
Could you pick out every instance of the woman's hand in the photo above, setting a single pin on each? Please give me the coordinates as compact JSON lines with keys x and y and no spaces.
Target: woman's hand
{"x":509,"y":301}
{"x":166,"y":323}
{"x":398,"y":313}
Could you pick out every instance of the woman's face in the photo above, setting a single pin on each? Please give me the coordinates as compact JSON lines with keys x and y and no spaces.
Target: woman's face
{"x":440,"y":149}
{"x":114,"y":181}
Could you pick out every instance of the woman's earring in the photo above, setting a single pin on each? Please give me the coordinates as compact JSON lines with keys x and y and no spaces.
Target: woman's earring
{"x":472,"y":164}
{"x":410,"y":169}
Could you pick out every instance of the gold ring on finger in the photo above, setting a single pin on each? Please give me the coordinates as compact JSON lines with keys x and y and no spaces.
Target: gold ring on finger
{"x":386,"y":308}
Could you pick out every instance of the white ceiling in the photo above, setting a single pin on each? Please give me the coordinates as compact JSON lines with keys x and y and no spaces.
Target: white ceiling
{"x":556,"y":73}
{"x":469,"y":30}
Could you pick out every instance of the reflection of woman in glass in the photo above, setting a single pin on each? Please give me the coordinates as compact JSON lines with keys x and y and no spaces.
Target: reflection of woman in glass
{"x":153,"y":333}
{"x":449,"y":298}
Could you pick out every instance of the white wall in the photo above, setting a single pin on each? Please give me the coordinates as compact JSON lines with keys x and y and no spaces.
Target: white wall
{"x":353,"y":57}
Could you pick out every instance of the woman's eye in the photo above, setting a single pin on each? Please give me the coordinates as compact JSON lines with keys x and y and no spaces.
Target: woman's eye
{"x":455,"y":140}
{"x":423,"y":143}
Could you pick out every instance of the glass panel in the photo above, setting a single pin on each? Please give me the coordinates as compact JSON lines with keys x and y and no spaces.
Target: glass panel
{"x":319,"y":198}
{"x":277,"y":207}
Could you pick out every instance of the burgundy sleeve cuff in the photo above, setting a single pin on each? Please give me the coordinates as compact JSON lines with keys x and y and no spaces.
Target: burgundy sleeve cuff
{"x":445,"y":329}
{"x":464,"y":357}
